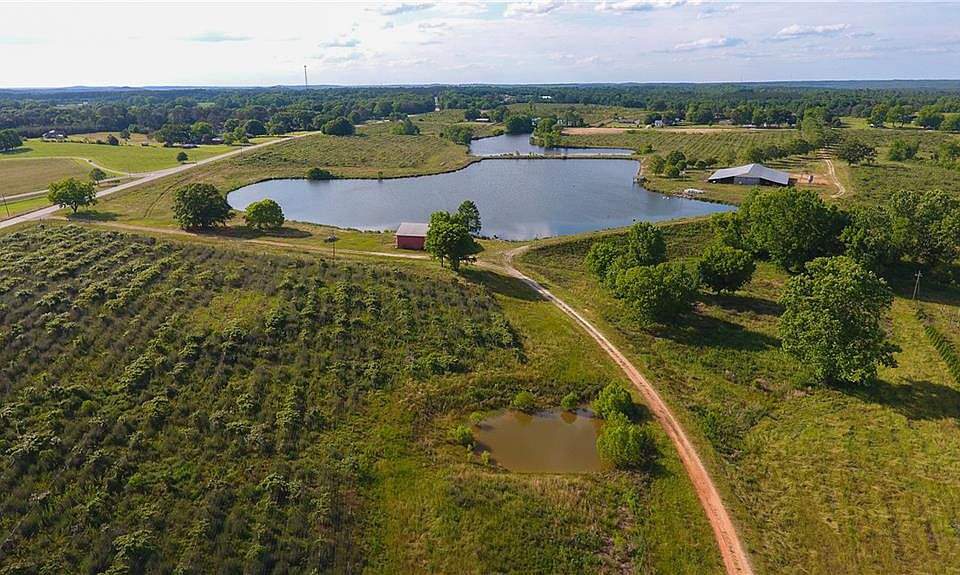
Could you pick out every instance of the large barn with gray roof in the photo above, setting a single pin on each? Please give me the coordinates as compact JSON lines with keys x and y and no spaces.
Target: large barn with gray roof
{"x":750,"y":175}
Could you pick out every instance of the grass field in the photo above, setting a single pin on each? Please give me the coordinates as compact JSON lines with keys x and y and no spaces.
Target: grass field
{"x":126,"y":158}
{"x":593,"y":115}
{"x":361,"y":156}
{"x":200,"y":409}
{"x":17,"y":207}
{"x":25,"y":176}
{"x":823,"y":481}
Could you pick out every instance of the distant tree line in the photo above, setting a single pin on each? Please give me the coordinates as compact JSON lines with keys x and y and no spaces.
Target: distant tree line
{"x":280,"y":110}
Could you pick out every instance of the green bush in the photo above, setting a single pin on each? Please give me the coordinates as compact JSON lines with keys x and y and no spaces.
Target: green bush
{"x":613,"y":400}
{"x":460,"y":435}
{"x":623,"y":444}
{"x":570,"y":401}
{"x":265,"y":214}
{"x":316,"y":174}
{"x":524,"y":401}
{"x":658,"y":293}
{"x":725,"y":269}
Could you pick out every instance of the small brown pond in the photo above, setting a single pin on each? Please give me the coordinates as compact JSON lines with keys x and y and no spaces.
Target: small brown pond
{"x":554,"y":441}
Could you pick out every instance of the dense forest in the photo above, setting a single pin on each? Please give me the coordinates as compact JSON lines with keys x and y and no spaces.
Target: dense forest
{"x":285,"y":109}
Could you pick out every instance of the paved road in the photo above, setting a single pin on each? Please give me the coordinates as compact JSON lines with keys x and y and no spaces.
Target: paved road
{"x":735,"y":558}
{"x":144,"y":179}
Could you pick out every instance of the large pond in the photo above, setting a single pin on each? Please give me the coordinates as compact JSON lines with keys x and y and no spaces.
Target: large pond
{"x":520,"y":144}
{"x":550,"y":441}
{"x":518,"y":199}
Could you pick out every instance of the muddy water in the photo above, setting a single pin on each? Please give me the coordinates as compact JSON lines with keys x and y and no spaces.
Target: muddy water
{"x":547,"y":442}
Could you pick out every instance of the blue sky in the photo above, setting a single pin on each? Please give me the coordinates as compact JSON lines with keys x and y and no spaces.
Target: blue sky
{"x":248,"y":43}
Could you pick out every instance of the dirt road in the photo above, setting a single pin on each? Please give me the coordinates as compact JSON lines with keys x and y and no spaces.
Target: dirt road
{"x":832,"y":173}
{"x":735,"y":558}
{"x":145,"y":178}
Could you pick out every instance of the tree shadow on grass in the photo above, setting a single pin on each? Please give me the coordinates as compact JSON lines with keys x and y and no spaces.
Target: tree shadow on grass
{"x":914,"y":399}
{"x":93,"y":216}
{"x":744,"y":304}
{"x":502,"y":284}
{"x":246,"y":233}
{"x":16,"y":151}
{"x":698,"y":330}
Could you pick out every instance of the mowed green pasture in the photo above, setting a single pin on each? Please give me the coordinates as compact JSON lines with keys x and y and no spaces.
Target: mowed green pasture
{"x":592,"y":114}
{"x":200,"y":409}
{"x":360,"y":156}
{"x":12,"y":208}
{"x":125,"y":158}
{"x":822,"y":481}
{"x":25,"y":176}
{"x":434,"y":123}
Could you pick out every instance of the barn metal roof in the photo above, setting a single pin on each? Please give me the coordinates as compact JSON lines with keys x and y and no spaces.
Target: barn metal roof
{"x":753,"y":171}
{"x":413,"y":229}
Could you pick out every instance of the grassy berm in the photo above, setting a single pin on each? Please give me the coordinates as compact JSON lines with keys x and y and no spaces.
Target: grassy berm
{"x":856,"y":479}
{"x":171,"y":407}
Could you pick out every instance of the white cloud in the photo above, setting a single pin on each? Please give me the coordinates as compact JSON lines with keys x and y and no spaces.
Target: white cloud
{"x":218,"y":37}
{"x":710,"y":10}
{"x":341,"y":42}
{"x":800,"y":31}
{"x":636,"y":5}
{"x":402,"y":7}
{"x":708,"y":43}
{"x":531,"y":8}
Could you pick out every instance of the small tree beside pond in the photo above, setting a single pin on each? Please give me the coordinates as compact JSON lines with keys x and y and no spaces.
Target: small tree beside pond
{"x":265,"y":214}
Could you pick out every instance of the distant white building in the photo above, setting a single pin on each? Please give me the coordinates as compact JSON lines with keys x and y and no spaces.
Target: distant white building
{"x":54,"y":135}
{"x":750,"y":175}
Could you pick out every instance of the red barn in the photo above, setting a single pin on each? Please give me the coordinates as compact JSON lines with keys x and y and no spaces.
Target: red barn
{"x":411,"y":236}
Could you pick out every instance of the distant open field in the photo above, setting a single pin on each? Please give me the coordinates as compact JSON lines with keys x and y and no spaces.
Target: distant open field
{"x":593,"y":115}
{"x":25,"y":176}
{"x":126,"y":158}
{"x":823,"y":481}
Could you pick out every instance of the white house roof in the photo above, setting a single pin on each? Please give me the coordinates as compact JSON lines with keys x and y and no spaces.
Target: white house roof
{"x":753,"y":171}
{"x":413,"y":229}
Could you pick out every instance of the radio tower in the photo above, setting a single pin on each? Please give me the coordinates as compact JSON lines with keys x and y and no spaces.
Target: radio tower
{"x":304,"y":76}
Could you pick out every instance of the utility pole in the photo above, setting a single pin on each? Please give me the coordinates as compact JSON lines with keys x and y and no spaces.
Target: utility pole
{"x":4,"y":198}
{"x":916,"y":286}
{"x":305,"y":83}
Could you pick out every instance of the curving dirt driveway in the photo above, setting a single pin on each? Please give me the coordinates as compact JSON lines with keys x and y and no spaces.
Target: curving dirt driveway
{"x":832,"y":174}
{"x":735,"y":558}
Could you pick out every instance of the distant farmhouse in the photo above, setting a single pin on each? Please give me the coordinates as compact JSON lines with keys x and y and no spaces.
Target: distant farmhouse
{"x":750,"y":175}
{"x":411,"y":236}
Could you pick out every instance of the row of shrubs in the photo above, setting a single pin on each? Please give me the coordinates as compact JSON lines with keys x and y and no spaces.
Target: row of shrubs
{"x":946,"y":349}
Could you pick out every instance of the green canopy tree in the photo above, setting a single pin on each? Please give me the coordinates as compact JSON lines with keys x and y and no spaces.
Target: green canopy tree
{"x":97,"y":175}
{"x":925,"y":226}
{"x":791,"y":226}
{"x":469,"y":215}
{"x":265,"y":214}
{"x":338,"y":127}
{"x":518,"y":124}
{"x":725,"y":269}
{"x":832,"y":320}
{"x":9,"y":139}
{"x":72,"y":193}
{"x":856,"y":152}
{"x":200,"y":206}
{"x":659,"y":292}
{"x":449,"y":240}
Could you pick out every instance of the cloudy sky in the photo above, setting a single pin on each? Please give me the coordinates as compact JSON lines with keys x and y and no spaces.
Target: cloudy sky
{"x":249,"y":43}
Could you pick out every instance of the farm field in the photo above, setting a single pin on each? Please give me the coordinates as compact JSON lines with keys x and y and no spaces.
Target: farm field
{"x":821,"y":480}
{"x":199,"y":409}
{"x":433,"y":123}
{"x":25,"y":176}
{"x":361,"y":156}
{"x":121,"y":159}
